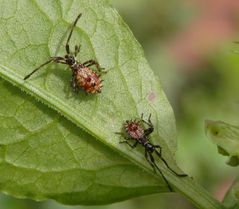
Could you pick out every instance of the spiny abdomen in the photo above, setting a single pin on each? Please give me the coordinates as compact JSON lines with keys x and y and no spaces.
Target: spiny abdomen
{"x":89,"y":80}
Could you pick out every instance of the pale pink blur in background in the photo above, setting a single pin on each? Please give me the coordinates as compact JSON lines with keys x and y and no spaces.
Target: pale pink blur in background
{"x":217,"y":22}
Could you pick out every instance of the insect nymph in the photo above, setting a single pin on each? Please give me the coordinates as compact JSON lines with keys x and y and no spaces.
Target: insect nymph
{"x":82,"y":75}
{"x":134,"y":130}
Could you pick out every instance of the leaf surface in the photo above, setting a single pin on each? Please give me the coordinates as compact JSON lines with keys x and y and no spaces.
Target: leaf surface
{"x":43,"y":155}
{"x":226,"y":137}
{"x":39,"y":143}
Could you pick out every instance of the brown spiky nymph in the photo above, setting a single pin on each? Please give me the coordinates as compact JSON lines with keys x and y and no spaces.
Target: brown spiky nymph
{"x":83,"y":77}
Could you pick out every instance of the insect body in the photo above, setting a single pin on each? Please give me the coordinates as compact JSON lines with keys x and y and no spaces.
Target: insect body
{"x":135,"y":131}
{"x":85,"y":78}
{"x":82,"y":75}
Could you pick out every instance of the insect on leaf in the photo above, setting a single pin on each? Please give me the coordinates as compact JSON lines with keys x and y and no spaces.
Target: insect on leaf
{"x":61,"y":145}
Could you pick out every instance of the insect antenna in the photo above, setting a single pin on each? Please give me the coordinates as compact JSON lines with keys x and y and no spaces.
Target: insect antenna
{"x":69,"y":37}
{"x":52,"y":59}
{"x":27,"y":76}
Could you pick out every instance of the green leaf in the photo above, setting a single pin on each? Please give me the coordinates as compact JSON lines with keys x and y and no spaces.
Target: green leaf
{"x":34,"y":31}
{"x":231,"y":199}
{"x":222,"y":151}
{"x":37,"y":30}
{"x":44,"y":155}
{"x":226,"y":137}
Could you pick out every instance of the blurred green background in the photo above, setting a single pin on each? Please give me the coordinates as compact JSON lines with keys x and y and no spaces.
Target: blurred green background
{"x":189,"y":45}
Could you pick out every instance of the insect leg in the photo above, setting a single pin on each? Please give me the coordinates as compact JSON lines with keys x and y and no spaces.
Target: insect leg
{"x":159,"y":170}
{"x":127,"y":140}
{"x":60,"y":60}
{"x":165,"y":162}
{"x":148,"y":131}
{"x":142,"y":116}
{"x":93,"y":62}
{"x":74,"y":84}
{"x":149,"y":122}
{"x":119,"y":133}
{"x":147,"y":158}
{"x":69,"y":37}
{"x":160,"y":149}
{"x":131,"y":145}
{"x":135,"y":144}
